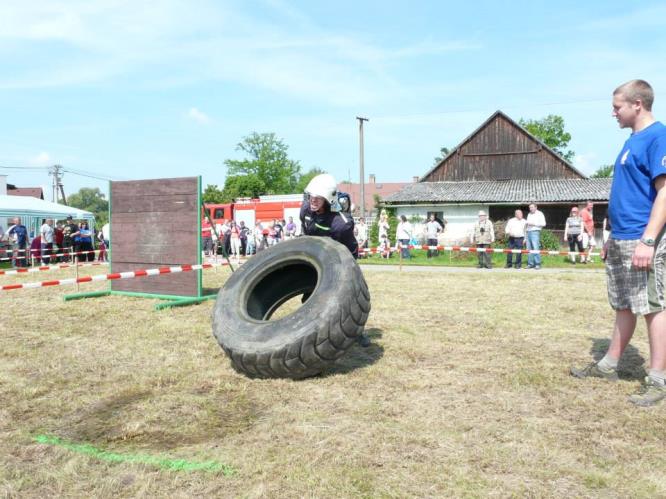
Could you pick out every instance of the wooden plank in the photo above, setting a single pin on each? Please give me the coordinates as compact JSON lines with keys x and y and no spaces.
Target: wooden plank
{"x":153,"y":203}
{"x":155,"y":187}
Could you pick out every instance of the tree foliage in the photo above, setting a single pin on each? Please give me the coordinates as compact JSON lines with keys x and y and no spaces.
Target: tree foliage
{"x":243,"y":186}
{"x":550,"y":130}
{"x":93,"y":200}
{"x":267,"y":168}
{"x":443,"y":153}
{"x":604,"y":171}
{"x":213,"y":194}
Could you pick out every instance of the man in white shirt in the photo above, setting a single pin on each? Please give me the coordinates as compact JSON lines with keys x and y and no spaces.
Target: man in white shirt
{"x":47,"y":241}
{"x":515,"y":232}
{"x":433,"y":227}
{"x":535,"y":222}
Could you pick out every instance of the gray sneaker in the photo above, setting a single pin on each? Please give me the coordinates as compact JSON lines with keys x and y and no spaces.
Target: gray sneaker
{"x":649,"y":394}
{"x":594,"y":371}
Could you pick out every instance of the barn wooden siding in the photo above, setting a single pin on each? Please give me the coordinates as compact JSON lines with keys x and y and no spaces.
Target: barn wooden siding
{"x":154,"y":223}
{"x":501,"y":150}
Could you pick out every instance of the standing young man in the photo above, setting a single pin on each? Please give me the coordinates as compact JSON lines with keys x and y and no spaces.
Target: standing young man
{"x":47,"y":234}
{"x":636,"y":250}
{"x":433,"y":228}
{"x":535,"y":222}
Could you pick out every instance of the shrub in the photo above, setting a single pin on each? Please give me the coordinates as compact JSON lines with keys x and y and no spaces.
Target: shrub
{"x":549,"y":241}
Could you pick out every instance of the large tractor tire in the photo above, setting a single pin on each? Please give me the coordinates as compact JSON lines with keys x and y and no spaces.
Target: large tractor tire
{"x":335,"y":307}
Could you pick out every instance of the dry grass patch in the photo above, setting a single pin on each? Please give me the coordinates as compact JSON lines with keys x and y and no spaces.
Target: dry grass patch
{"x":464,"y":392}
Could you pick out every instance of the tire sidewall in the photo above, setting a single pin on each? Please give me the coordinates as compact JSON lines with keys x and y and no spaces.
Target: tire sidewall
{"x":237,"y":331}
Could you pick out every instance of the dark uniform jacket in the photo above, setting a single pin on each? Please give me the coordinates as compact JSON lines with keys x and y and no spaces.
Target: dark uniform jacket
{"x":337,"y":226}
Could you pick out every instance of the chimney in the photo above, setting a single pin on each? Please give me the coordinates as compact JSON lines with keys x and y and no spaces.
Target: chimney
{"x":415,"y":179}
{"x":371,"y":178}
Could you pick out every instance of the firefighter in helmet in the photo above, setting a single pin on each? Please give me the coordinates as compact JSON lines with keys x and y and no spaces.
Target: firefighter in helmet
{"x":323,"y":215}
{"x":325,"y":212}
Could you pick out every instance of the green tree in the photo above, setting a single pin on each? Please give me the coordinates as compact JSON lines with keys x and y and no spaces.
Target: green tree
{"x":604,"y":171}
{"x":443,"y":153}
{"x":213,"y":194}
{"x":550,"y":130}
{"x":304,"y":179}
{"x":266,"y":170}
{"x":92,"y":200}
{"x":243,"y":186}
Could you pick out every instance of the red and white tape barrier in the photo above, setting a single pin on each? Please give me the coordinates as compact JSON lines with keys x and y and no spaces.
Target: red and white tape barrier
{"x":483,"y":250}
{"x":112,"y":277}
{"x":38,"y":255}
{"x":44,"y":268}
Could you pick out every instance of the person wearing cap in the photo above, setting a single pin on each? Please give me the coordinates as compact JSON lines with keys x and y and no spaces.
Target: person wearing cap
{"x":321,"y":215}
{"x":483,"y":236}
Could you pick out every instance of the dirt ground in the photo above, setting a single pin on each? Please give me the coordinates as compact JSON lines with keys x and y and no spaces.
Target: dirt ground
{"x":464,"y":392}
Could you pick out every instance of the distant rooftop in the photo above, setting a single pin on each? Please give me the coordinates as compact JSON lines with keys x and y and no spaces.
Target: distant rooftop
{"x":504,"y":191}
{"x":33,"y":192}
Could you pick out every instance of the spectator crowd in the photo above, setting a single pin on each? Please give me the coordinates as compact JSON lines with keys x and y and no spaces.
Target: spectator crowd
{"x":237,"y":239}
{"x":55,"y":242}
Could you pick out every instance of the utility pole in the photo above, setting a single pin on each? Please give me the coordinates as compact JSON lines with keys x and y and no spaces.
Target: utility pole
{"x":361,"y":154}
{"x":57,"y":188}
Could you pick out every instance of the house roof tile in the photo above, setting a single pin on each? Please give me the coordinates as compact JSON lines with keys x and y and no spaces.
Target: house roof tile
{"x":504,"y":191}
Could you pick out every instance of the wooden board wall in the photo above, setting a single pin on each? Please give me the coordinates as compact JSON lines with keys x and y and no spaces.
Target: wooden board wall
{"x":155,"y":223}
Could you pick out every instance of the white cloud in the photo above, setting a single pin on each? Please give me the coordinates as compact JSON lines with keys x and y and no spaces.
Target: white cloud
{"x":85,"y":42}
{"x":199,"y":116}
{"x":41,"y":159}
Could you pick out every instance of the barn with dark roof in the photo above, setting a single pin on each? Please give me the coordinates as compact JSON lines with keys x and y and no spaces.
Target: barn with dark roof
{"x":498,"y":168}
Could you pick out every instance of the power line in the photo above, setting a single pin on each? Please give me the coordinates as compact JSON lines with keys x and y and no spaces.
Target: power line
{"x":25,"y":167}
{"x":84,"y":173}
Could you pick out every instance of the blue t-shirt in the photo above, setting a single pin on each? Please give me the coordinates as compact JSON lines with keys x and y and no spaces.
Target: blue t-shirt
{"x":21,"y":234}
{"x":641,"y":161}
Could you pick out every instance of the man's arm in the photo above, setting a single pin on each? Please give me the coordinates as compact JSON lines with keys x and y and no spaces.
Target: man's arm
{"x":643,"y":254}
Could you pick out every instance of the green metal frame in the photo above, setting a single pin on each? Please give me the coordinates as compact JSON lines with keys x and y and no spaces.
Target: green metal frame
{"x":169,"y":300}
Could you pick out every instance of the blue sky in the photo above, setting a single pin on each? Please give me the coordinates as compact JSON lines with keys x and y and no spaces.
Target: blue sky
{"x":132,"y":89}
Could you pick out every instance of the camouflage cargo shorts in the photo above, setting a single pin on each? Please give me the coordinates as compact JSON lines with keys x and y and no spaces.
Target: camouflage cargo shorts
{"x":640,"y":291}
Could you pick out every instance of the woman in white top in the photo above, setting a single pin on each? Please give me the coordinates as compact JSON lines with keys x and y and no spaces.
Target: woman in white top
{"x":383,"y":225}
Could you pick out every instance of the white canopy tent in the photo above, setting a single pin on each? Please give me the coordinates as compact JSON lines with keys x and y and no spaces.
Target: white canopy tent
{"x":32,"y":211}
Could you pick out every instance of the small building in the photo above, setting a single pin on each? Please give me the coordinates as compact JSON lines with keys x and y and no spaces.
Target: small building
{"x":499,"y":168}
{"x":372,"y":189}
{"x":31,"y":192}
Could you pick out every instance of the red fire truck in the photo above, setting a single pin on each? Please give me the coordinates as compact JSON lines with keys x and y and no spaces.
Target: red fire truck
{"x":264,"y":209}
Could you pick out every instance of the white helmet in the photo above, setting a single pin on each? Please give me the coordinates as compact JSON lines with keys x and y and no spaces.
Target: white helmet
{"x":324,"y":186}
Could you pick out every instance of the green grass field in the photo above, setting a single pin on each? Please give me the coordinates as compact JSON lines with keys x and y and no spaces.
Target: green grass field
{"x":465,"y":392}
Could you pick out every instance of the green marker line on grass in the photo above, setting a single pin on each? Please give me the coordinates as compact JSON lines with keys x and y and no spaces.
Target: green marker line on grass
{"x":159,"y":462}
